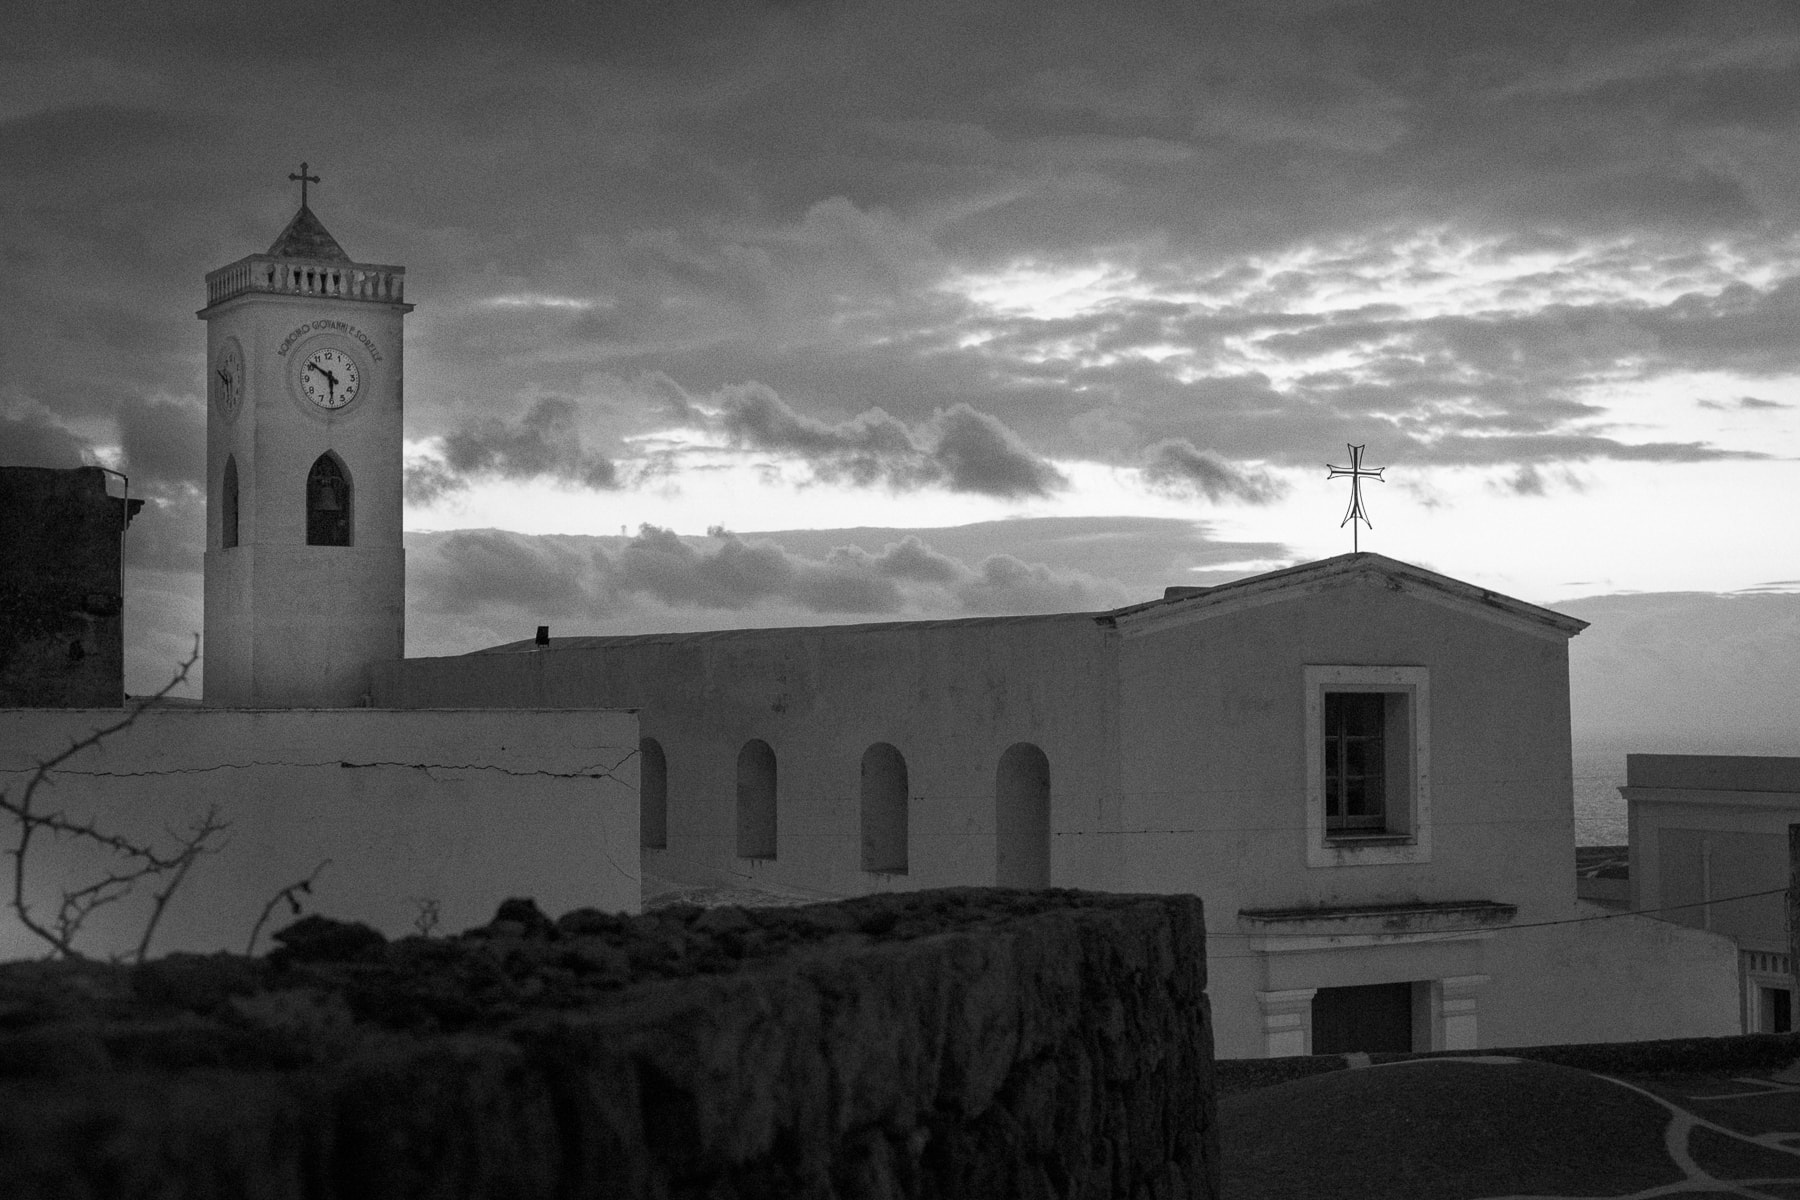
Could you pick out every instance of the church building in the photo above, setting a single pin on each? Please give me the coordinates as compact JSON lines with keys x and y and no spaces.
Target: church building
{"x":1361,"y":766}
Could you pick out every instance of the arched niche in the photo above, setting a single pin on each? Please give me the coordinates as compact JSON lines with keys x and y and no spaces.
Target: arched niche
{"x":1022,"y":818}
{"x":228,"y":505}
{"x":884,"y":816}
{"x":653,"y":795}
{"x":756,"y":800}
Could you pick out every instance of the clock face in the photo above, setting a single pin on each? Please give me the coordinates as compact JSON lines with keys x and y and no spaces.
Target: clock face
{"x":329,"y":378}
{"x":227,"y":382}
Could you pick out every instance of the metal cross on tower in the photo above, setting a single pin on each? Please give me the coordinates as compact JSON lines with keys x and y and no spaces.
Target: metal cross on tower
{"x":1357,"y":473}
{"x":304,"y":179}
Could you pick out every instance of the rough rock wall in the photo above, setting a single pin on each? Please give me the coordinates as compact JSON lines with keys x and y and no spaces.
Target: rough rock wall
{"x":962,"y":1043}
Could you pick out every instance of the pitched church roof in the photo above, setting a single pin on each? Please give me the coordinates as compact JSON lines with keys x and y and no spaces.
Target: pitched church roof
{"x":1182,"y":604}
{"x":305,"y":237}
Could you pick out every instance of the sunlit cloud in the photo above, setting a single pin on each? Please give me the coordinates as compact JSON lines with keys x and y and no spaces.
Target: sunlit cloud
{"x":1047,"y":292}
{"x":536,"y":300}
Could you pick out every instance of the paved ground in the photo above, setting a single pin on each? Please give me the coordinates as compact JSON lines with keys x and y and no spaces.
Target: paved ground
{"x":1487,"y":1127}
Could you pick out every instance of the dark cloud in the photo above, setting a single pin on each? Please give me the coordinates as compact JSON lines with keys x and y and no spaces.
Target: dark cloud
{"x":1527,"y":481}
{"x":596,"y":580}
{"x":1279,"y":220}
{"x":958,"y":448}
{"x":905,"y":576}
{"x":1473,"y":451}
{"x":735,"y":574}
{"x":1749,"y":403}
{"x":169,"y":532}
{"x":1530,"y":479}
{"x":164,"y":441}
{"x":544,"y":443}
{"x":908,"y":559}
{"x":979,"y":454}
{"x":31,"y":441}
{"x":472,"y":569}
{"x":1176,"y":465}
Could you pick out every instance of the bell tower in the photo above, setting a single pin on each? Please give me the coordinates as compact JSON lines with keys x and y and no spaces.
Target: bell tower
{"x":305,"y":573}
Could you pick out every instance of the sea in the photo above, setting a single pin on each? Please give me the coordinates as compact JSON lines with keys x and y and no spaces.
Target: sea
{"x":1599,"y":809}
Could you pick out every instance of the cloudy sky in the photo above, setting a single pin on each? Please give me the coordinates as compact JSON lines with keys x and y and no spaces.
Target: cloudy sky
{"x":749,"y":313}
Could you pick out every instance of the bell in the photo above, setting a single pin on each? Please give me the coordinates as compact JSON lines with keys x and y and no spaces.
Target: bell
{"x":328,"y":496}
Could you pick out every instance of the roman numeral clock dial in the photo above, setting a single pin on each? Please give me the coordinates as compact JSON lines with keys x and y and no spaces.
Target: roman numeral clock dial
{"x":330,"y":379}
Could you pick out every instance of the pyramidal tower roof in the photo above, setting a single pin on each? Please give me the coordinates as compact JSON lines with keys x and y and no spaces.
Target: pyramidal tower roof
{"x":305,"y":237}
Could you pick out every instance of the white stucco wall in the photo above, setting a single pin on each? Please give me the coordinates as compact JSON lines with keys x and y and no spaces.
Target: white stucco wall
{"x":1705,"y":828}
{"x":1213,"y":754}
{"x":289,"y":624}
{"x":951,"y":697}
{"x":1213,"y":794}
{"x":461,"y":808}
{"x":1709,"y":826}
{"x":1616,"y":980}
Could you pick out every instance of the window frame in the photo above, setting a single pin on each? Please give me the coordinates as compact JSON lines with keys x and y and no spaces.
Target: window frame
{"x":1406,"y":835}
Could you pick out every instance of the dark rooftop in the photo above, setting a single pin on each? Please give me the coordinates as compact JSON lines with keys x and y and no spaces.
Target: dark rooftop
{"x":305,"y":237}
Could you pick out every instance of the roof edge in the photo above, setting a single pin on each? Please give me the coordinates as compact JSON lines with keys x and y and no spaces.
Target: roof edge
{"x":598,"y":641}
{"x":1275,"y":585}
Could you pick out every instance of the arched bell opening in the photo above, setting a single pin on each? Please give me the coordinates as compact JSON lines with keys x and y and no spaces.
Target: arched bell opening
{"x":328,"y":502}
{"x":228,"y":505}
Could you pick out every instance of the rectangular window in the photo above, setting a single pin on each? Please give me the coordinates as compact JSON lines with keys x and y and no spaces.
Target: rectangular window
{"x":1368,"y":750}
{"x":1355,"y":762}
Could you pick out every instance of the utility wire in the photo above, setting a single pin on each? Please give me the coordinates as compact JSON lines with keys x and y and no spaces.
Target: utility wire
{"x":1636,"y":912}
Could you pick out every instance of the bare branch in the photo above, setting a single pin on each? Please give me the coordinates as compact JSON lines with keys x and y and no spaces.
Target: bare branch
{"x":76,"y":905}
{"x":290,"y":893}
{"x":196,"y":845}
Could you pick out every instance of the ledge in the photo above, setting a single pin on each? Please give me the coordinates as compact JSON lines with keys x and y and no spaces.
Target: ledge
{"x":1319,"y":927}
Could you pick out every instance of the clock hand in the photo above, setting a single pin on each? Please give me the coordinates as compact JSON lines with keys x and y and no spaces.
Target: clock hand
{"x":223,"y":378}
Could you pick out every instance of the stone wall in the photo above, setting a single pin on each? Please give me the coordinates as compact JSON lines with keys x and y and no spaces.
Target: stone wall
{"x":956,"y":1043}
{"x":62,"y":626}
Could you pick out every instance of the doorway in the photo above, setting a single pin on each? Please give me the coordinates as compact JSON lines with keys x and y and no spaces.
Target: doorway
{"x":1376,"y":1018}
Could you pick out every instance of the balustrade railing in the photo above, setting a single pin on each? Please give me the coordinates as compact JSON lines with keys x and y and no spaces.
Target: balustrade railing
{"x":301,"y":277}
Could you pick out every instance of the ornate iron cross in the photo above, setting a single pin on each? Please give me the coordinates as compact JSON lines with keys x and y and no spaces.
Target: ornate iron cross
{"x":304,"y":179}
{"x":1357,"y":473}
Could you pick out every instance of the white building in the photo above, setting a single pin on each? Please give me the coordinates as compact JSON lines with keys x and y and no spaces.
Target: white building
{"x":1705,"y":827}
{"x":1362,"y":767}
